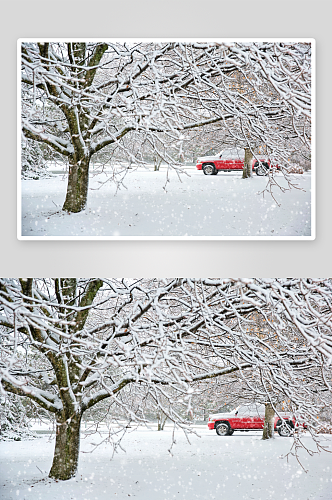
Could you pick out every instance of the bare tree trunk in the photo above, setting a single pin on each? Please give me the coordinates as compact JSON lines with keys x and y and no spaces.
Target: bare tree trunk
{"x":157,"y":163}
{"x":161,"y":421}
{"x":78,"y":183}
{"x":67,"y":447}
{"x":247,"y":167}
{"x":268,"y":431}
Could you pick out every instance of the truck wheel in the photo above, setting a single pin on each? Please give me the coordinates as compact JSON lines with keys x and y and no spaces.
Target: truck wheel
{"x":261,"y":169}
{"x":285,"y":428}
{"x":209,"y":169}
{"x":223,"y":429}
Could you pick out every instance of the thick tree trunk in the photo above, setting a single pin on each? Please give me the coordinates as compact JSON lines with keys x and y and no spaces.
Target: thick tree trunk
{"x":268,"y":431}
{"x":78,"y":183}
{"x":67,"y":446}
{"x":247,"y":167}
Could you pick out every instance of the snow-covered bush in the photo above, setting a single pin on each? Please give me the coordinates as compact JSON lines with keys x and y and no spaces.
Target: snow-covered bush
{"x":296,"y":169}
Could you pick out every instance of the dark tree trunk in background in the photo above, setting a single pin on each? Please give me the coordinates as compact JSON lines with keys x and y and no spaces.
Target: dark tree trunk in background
{"x":161,"y":421}
{"x":78,"y":183}
{"x":268,"y":431}
{"x":247,"y":167}
{"x":157,"y":162}
{"x":67,"y":447}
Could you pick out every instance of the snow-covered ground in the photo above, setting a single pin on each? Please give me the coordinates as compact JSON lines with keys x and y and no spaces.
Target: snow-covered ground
{"x":238,"y":467}
{"x":200,"y":206}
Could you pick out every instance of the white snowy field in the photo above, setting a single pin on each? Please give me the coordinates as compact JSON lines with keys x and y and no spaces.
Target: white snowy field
{"x":200,"y":206}
{"x":238,"y":467}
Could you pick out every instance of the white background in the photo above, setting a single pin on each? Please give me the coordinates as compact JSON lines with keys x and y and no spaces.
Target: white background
{"x":159,"y":18}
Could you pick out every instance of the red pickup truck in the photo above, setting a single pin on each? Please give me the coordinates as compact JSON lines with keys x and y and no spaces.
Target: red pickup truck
{"x":229,"y":161}
{"x":248,"y":417}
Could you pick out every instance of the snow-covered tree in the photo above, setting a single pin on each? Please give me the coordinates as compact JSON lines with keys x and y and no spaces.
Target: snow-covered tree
{"x":79,"y":98}
{"x":33,"y":164}
{"x":128,"y":340}
{"x":14,"y":422}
